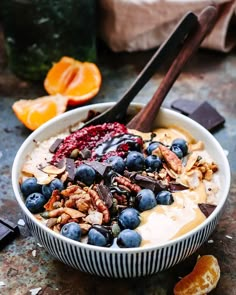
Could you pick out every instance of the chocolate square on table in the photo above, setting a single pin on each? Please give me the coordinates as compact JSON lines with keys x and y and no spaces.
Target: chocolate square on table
{"x":185,"y":106}
{"x":8,"y":231}
{"x":203,"y":113}
{"x":207,"y":116}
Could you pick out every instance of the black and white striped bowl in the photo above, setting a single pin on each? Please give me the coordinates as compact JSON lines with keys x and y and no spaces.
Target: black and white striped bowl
{"x":116,"y":262}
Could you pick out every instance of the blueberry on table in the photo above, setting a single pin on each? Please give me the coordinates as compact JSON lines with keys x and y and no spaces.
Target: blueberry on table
{"x":71,"y":230}
{"x":153,"y":163}
{"x":99,"y":236}
{"x":182,"y":144}
{"x":177,"y":150}
{"x":55,"y":184}
{"x":35,"y":202}
{"x":85,"y":174}
{"x":30,"y":186}
{"x":164,"y":198}
{"x":129,"y":238}
{"x":152,"y":146}
{"x":129,"y":218}
{"x":135,"y":161}
{"x":146,"y":200}
{"x":117,"y":163}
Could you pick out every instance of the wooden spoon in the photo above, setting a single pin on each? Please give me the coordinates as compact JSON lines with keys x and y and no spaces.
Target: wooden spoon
{"x":143,"y":121}
{"x":168,"y":50}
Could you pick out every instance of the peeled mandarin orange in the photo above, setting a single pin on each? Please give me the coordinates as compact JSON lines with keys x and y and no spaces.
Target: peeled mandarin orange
{"x":79,"y":81}
{"x":203,"y":278}
{"x":33,"y":113}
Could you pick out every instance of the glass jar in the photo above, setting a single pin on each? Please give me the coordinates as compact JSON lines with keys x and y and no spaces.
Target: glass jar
{"x":39,"y":32}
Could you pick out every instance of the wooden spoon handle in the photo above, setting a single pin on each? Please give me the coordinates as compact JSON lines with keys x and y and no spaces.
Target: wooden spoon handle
{"x":165,"y":53}
{"x":143,"y":121}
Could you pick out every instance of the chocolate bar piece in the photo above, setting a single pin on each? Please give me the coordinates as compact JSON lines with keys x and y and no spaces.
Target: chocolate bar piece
{"x":207,"y":116}
{"x":206,"y":209}
{"x":105,"y":194}
{"x":175,"y":187}
{"x":203,"y":113}
{"x":85,"y":153}
{"x":70,"y":168}
{"x":53,"y":148}
{"x":100,"y":167}
{"x":8,"y":231}
{"x":145,"y":181}
{"x":185,"y":106}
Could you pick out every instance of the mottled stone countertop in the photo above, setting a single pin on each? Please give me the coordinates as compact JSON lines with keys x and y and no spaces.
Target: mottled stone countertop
{"x":24,"y":265}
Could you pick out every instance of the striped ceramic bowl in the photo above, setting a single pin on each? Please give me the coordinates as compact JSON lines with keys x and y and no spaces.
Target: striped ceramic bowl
{"x":117,"y":262}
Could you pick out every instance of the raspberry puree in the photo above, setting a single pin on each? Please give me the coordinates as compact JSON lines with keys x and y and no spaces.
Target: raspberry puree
{"x":93,"y":137}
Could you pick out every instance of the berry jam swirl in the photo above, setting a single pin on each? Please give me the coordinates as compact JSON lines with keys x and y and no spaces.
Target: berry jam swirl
{"x":89,"y":138}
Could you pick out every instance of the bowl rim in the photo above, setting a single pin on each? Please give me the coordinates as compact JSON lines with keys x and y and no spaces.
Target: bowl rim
{"x":189,"y":234}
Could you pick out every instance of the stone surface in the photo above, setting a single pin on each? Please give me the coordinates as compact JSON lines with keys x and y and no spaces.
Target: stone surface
{"x":24,"y":265}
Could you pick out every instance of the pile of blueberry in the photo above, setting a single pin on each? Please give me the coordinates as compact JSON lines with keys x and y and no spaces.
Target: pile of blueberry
{"x":123,"y":230}
{"x":37,"y":195}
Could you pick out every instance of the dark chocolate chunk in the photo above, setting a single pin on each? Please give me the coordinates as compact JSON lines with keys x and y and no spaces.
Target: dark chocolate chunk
{"x":105,"y":194}
{"x":85,"y":153}
{"x":174,"y":187}
{"x":185,"y":106}
{"x":100,"y":167}
{"x":53,"y":148}
{"x":70,"y":168}
{"x":207,"y":116}
{"x":203,"y":113}
{"x":150,"y":183}
{"x":145,"y":181}
{"x":206,"y":209}
{"x":8,"y":231}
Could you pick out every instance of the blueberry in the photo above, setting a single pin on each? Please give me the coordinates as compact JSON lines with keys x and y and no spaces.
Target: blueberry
{"x":129,"y":218}
{"x":30,"y":186}
{"x":146,"y":199}
{"x":117,"y":163}
{"x":152,"y":146}
{"x":129,"y":239}
{"x":164,"y":198}
{"x":55,"y":184}
{"x":182,"y":144}
{"x":135,"y":161}
{"x":35,"y":202}
{"x":177,"y":150}
{"x":71,"y":230}
{"x":153,"y":163}
{"x":99,"y":236}
{"x":85,"y":174}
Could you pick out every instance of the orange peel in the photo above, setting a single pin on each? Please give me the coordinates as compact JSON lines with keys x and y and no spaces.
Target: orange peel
{"x":202,"y":280}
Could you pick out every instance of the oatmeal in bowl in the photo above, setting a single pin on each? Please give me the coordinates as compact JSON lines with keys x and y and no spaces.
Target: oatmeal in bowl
{"x":106,"y":193}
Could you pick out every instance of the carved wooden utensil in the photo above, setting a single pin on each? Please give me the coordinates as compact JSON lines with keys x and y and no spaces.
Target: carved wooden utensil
{"x":177,"y":49}
{"x":166,"y":53}
{"x":144,"y":119}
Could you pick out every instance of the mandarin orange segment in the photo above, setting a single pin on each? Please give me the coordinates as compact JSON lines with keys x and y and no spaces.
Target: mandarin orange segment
{"x":80,"y":81}
{"x":202,"y":280}
{"x":33,"y":113}
{"x":60,"y":75}
{"x":85,"y":84}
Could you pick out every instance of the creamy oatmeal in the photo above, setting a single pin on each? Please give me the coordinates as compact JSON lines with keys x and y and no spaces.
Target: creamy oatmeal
{"x":86,"y":181}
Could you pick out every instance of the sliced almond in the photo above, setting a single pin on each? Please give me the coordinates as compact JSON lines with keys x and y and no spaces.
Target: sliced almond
{"x":51,"y":169}
{"x":196,"y":146}
{"x":74,"y":213}
{"x":191,"y":161}
{"x":94,"y":217}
